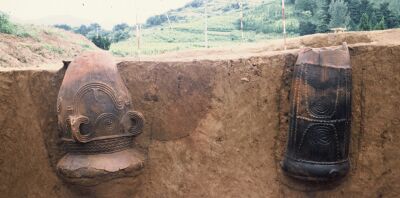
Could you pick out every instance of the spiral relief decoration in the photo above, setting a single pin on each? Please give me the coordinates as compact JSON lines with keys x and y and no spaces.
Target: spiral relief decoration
{"x":321,"y":106}
{"x":91,"y":106}
{"x":137,"y":121}
{"x":320,"y":115}
{"x":321,"y":134}
{"x":107,"y":122}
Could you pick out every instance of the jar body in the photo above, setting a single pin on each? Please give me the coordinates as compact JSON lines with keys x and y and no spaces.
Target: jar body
{"x":320,"y":115}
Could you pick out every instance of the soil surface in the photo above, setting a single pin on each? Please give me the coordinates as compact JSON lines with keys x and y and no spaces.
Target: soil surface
{"x":246,"y":50}
{"x":214,"y":128}
{"x":45,"y":48}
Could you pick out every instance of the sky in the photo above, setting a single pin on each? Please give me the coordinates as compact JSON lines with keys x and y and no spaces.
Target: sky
{"x":105,"y":12}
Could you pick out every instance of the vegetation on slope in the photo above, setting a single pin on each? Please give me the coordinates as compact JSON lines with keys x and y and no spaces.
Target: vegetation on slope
{"x":7,"y":27}
{"x":183,"y":28}
{"x":262,"y":21}
{"x":321,"y":15}
{"x":186,"y":28}
{"x":32,"y":46}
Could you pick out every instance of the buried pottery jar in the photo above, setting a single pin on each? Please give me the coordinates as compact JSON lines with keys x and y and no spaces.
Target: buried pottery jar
{"x":319,"y":131}
{"x":97,"y":122}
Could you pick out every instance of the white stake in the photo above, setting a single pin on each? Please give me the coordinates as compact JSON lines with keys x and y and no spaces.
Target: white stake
{"x":241,"y":19}
{"x":284,"y":24}
{"x":166,"y":13}
{"x":205,"y":26}
{"x":138,"y":28}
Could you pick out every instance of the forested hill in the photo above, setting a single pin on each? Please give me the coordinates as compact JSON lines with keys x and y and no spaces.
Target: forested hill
{"x":321,"y":15}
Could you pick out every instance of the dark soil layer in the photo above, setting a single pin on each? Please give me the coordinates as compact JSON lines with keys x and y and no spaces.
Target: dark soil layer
{"x":213,"y":129}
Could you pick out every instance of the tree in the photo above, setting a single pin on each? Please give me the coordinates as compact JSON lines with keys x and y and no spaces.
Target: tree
{"x":322,"y":16}
{"x":96,"y":34}
{"x":83,"y":29}
{"x":304,"y":9}
{"x":156,"y":20}
{"x":102,"y":41}
{"x":354,"y":12}
{"x":381,"y":24}
{"x":120,"y":36}
{"x":391,"y":20}
{"x":94,"y":27}
{"x":289,"y":1}
{"x":306,"y":5}
{"x":306,"y":27}
{"x":339,"y":14}
{"x":120,"y":32}
{"x":63,"y":26}
{"x":5,"y":25}
{"x":121,"y":26}
{"x":364,"y":23}
{"x":366,"y":7}
{"x":395,"y":5}
{"x":195,"y":4}
{"x":373,"y":20}
{"x":96,"y":30}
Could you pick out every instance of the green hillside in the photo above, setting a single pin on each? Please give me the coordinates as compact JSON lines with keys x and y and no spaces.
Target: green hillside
{"x":184,"y":28}
{"x":187,"y":27}
{"x":262,"y":21}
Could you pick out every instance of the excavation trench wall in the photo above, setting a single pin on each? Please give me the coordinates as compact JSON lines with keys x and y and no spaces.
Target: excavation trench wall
{"x":213,"y":129}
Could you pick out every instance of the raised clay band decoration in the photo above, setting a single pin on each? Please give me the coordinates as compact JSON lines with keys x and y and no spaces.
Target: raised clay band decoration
{"x":97,"y":122}
{"x":319,"y":132}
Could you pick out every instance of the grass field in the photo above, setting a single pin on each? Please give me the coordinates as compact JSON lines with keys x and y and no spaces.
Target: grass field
{"x":158,"y":41}
{"x":223,"y":29}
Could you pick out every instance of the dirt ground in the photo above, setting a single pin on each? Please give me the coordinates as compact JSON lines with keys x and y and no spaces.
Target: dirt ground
{"x":45,"y":48}
{"x":246,"y":50}
{"x":209,"y":132}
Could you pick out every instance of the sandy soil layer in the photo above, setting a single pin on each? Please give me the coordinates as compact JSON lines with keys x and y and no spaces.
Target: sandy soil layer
{"x":209,"y":132}
{"x":214,"y":129}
